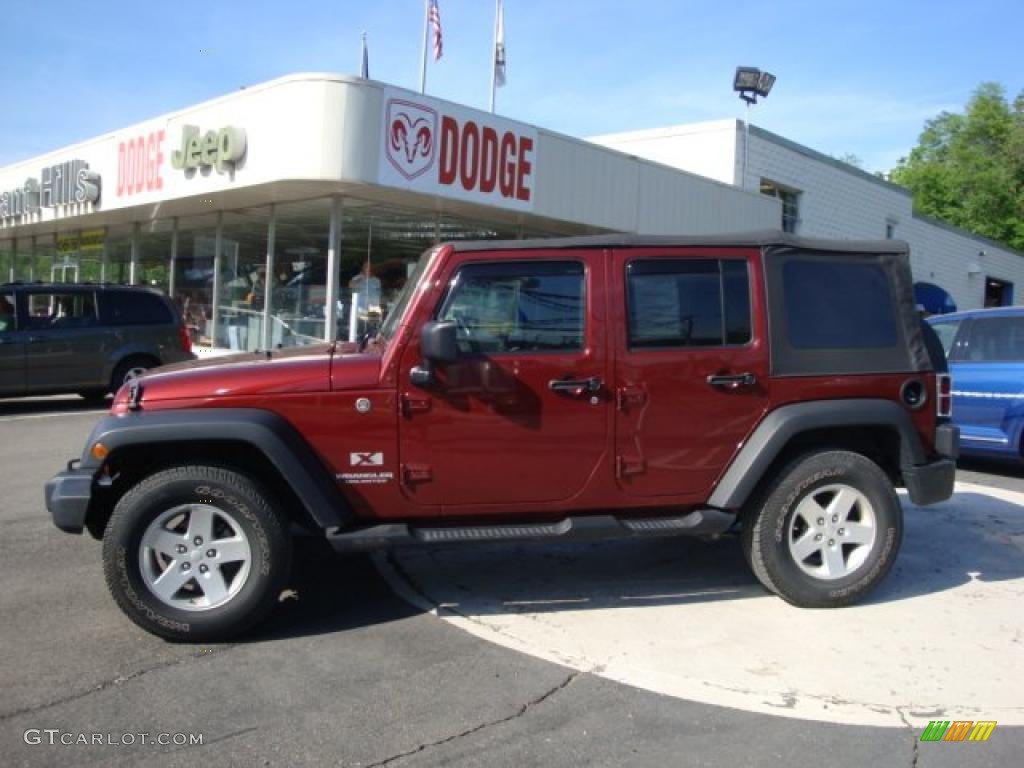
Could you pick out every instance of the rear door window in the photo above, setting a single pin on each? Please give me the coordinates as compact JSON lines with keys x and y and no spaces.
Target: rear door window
{"x":675,"y":303}
{"x":996,"y":339}
{"x":57,"y":310}
{"x":134,"y":308}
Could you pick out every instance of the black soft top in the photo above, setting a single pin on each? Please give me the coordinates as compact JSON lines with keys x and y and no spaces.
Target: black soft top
{"x":791,"y":355}
{"x":761,"y":239}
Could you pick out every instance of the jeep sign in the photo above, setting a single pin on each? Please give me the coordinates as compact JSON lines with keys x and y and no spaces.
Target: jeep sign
{"x":443,"y":149}
{"x":221,"y":149}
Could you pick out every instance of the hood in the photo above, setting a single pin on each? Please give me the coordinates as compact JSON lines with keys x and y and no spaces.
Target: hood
{"x":316,"y":368}
{"x":299,"y":369}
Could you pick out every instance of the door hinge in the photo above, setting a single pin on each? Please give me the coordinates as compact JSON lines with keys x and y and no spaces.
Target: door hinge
{"x":412,"y":404}
{"x":629,"y":397}
{"x":629,"y":465}
{"x":417,"y":473}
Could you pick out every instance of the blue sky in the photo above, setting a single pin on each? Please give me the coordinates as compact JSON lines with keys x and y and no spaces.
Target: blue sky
{"x":853,"y":77}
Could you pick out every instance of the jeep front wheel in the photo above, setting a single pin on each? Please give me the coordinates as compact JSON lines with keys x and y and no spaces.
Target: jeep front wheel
{"x":826,"y":532}
{"x":196,"y":553}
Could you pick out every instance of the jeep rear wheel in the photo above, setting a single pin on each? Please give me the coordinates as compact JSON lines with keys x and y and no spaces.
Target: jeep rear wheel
{"x":826,"y":532}
{"x":196,"y":553}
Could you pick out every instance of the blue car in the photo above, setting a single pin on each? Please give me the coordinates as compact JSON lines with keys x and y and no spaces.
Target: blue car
{"x":985,"y":349}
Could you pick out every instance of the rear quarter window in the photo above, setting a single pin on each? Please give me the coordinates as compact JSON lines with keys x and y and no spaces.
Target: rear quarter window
{"x":838,"y":305}
{"x":131,"y":308}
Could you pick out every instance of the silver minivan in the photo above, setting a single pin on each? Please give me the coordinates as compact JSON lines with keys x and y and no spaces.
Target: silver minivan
{"x":89,"y":339}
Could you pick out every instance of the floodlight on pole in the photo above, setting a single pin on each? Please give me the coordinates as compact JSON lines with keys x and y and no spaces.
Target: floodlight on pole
{"x":749,"y":83}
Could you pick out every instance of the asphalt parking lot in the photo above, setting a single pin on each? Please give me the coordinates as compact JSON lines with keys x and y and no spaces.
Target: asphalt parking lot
{"x":358,"y":669}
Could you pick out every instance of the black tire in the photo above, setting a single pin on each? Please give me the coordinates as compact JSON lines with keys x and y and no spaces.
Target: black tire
{"x":235,"y":499}
{"x":775,"y":518}
{"x":124,"y":369}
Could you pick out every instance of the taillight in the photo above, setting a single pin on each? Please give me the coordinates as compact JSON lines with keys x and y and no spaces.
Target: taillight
{"x":944,"y":400}
{"x":186,"y":340}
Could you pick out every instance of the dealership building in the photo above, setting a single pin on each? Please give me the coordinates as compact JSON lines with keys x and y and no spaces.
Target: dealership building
{"x":824,"y":197}
{"x":292,"y":211}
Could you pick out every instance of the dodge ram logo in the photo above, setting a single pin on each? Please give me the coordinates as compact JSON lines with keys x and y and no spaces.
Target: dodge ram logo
{"x":411,"y":130}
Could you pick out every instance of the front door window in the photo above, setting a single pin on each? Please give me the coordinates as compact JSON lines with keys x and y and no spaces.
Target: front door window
{"x":517,"y":308}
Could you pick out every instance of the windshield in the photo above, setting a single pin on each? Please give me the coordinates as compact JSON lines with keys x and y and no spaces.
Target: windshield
{"x":394,"y":319}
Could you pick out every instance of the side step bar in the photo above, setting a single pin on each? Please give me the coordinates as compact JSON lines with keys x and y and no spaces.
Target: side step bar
{"x":700,"y":522}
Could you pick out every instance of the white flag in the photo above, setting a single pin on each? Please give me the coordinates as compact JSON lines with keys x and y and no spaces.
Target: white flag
{"x":499,"y":47}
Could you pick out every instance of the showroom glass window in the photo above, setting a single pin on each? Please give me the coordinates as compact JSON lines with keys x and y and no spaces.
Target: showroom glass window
{"x":154,"y":267}
{"x":194,"y":278}
{"x":243,"y":274}
{"x":517,"y":307}
{"x":675,"y":303}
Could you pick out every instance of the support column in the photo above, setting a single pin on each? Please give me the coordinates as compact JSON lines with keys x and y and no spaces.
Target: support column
{"x":267,"y":341}
{"x":133,"y":265}
{"x":333,"y":270}
{"x":104,"y":260}
{"x":172,"y":277}
{"x":218,"y":248}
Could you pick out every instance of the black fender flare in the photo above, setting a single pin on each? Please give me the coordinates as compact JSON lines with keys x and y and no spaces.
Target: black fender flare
{"x":267,"y":432}
{"x":781,"y":425}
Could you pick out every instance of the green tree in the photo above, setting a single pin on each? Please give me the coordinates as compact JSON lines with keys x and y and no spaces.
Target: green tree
{"x":968,"y":169}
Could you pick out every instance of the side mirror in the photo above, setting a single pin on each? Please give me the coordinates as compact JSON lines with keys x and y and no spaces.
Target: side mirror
{"x":437,"y":345}
{"x":437,"y":342}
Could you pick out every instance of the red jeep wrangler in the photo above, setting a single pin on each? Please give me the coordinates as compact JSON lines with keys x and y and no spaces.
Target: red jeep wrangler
{"x":606,"y":386}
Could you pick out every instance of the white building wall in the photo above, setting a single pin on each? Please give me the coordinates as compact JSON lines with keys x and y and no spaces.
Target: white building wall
{"x":836,"y":201}
{"x":708,"y":149}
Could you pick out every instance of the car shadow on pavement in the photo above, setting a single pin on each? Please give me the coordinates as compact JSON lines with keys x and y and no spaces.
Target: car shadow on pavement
{"x":538,"y":577}
{"x":29,"y":406}
{"x":1006,"y":468}
{"x":971,"y":538}
{"x":329,"y":593}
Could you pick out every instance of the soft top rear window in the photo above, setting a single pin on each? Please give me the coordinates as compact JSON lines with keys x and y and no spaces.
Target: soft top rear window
{"x":837,"y":305}
{"x":835,"y":313}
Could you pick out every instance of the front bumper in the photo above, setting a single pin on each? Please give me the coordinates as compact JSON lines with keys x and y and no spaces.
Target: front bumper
{"x":67,"y":497}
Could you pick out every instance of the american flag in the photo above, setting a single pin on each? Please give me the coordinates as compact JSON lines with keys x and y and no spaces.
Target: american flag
{"x":434,"y":19}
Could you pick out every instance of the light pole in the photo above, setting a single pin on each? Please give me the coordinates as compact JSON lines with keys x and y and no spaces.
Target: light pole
{"x":749,"y":83}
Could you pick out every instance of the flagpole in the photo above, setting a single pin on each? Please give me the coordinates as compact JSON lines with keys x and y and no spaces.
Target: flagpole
{"x":364,"y":64}
{"x":494,"y":54}
{"x":426,"y":31}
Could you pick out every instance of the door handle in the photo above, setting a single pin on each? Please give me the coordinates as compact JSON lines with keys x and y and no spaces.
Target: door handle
{"x":576,"y":387}
{"x":733,"y":381}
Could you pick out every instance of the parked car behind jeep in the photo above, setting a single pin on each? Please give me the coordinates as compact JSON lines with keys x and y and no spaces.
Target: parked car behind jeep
{"x":985,"y":348}
{"x":89,"y":339}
